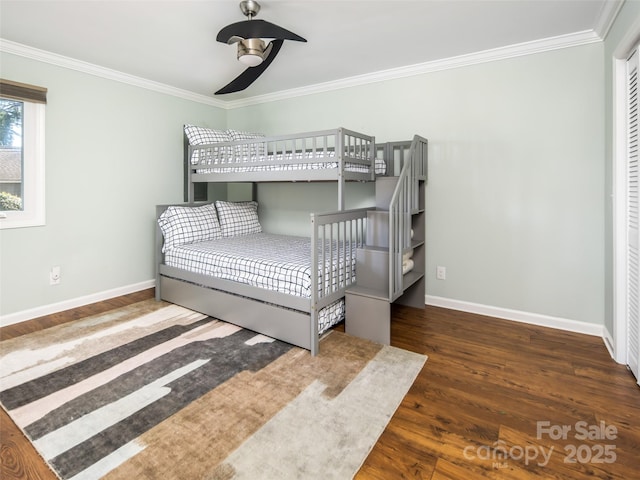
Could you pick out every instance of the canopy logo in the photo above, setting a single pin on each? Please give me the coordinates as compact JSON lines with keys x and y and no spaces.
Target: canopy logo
{"x":498,"y":453}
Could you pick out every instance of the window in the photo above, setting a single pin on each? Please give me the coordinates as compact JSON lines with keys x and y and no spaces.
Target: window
{"x":22,"y":110}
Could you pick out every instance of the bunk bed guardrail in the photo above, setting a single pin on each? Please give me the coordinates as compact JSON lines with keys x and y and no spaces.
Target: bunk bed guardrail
{"x":335,"y":238}
{"x":404,"y":202}
{"x":318,"y":145}
{"x":339,"y":155}
{"x":284,"y":152}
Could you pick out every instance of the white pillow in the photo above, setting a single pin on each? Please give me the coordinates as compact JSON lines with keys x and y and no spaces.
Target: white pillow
{"x":183,"y":225}
{"x":252,"y":150}
{"x":238,"y":218}
{"x":204,"y":136}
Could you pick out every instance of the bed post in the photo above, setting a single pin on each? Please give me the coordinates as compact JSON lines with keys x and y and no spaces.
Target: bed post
{"x":313,"y":320}
{"x":340,"y":150}
{"x":188,"y":185}
{"x":158,"y":257}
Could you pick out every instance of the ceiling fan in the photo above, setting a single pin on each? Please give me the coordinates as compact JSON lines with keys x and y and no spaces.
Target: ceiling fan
{"x":253,"y":50}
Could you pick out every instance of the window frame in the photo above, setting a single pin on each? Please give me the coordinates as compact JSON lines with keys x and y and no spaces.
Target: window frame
{"x":33,"y":171}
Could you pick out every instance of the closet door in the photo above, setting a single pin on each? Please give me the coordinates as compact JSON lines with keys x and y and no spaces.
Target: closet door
{"x":631,"y":218}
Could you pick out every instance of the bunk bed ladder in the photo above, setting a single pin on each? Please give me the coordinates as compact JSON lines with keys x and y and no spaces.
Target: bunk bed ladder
{"x":391,"y":266}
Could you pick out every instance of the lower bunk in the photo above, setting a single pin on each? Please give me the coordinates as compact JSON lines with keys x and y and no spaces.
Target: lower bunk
{"x":215,"y":259}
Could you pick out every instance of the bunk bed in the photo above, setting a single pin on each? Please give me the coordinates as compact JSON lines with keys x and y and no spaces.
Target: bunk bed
{"x":264,"y":282}
{"x":214,"y":258}
{"x":337,"y":155}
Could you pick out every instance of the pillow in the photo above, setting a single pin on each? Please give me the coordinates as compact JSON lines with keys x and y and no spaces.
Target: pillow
{"x":238,"y":218}
{"x":252,"y":150}
{"x":204,"y":136}
{"x":183,"y":225}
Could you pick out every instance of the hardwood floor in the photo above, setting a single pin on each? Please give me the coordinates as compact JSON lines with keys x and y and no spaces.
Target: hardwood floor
{"x":490,"y":402}
{"x":487,"y":384}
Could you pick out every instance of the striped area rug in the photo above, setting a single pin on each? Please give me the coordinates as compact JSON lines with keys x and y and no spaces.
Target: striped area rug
{"x":154,"y":390}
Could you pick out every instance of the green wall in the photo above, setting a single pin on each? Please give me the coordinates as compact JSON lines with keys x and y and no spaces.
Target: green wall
{"x":515,"y":205}
{"x":113,"y":151}
{"x":514,"y":199}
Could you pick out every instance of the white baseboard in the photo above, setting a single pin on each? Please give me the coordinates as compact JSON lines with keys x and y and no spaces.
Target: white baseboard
{"x":73,"y":303}
{"x":480,"y":309}
{"x":518,"y":316}
{"x":608,"y":342}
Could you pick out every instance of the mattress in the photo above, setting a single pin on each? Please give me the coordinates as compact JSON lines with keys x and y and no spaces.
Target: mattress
{"x":280,"y":263}
{"x":281,"y":162}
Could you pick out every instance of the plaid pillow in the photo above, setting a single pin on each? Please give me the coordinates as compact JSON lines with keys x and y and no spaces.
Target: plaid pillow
{"x":182,"y":225}
{"x":252,"y":150}
{"x":204,"y":136}
{"x":238,"y":218}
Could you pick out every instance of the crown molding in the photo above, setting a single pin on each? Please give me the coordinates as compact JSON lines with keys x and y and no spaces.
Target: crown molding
{"x":511,"y":51}
{"x":516,"y":50}
{"x":19,"y":49}
{"x":607,"y":16}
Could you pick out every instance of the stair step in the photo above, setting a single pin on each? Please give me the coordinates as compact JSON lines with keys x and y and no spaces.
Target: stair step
{"x":375,"y":248}
{"x":375,"y":293}
{"x":410,"y":278}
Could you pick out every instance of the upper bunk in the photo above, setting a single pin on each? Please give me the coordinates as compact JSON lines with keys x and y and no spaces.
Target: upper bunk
{"x":338,"y":155}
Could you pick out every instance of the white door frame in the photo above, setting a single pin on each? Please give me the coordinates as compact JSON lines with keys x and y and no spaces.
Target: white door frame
{"x":620,"y":54}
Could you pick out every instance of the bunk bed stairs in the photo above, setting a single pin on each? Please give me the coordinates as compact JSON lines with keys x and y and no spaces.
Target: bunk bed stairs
{"x":390,"y":267}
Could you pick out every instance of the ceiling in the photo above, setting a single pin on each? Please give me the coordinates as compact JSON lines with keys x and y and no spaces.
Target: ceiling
{"x":174,"y":42}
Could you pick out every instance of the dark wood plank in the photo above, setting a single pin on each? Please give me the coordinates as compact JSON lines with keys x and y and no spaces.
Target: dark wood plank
{"x":22,"y":328}
{"x":487,"y":383}
{"x":18,"y":458}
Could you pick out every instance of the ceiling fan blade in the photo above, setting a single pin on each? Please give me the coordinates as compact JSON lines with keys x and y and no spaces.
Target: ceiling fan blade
{"x":250,"y":75}
{"x":255,"y":29}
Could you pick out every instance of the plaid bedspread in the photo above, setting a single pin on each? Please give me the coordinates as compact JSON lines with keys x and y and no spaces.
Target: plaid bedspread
{"x":280,"y":263}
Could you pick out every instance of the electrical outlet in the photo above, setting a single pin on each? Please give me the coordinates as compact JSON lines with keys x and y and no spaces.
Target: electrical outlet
{"x":441,"y":273}
{"x":54,"y":275}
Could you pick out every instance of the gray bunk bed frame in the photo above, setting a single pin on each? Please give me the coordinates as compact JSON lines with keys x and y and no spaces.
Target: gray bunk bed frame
{"x":286,"y":317}
{"x":338,"y":234}
{"x":278,"y":315}
{"x":348,"y":148}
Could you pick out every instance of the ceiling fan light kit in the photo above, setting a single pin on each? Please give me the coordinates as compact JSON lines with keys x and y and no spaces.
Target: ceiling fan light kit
{"x":253,"y":49}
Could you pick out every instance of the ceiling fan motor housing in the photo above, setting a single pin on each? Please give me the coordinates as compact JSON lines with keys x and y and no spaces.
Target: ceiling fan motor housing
{"x":251,"y":51}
